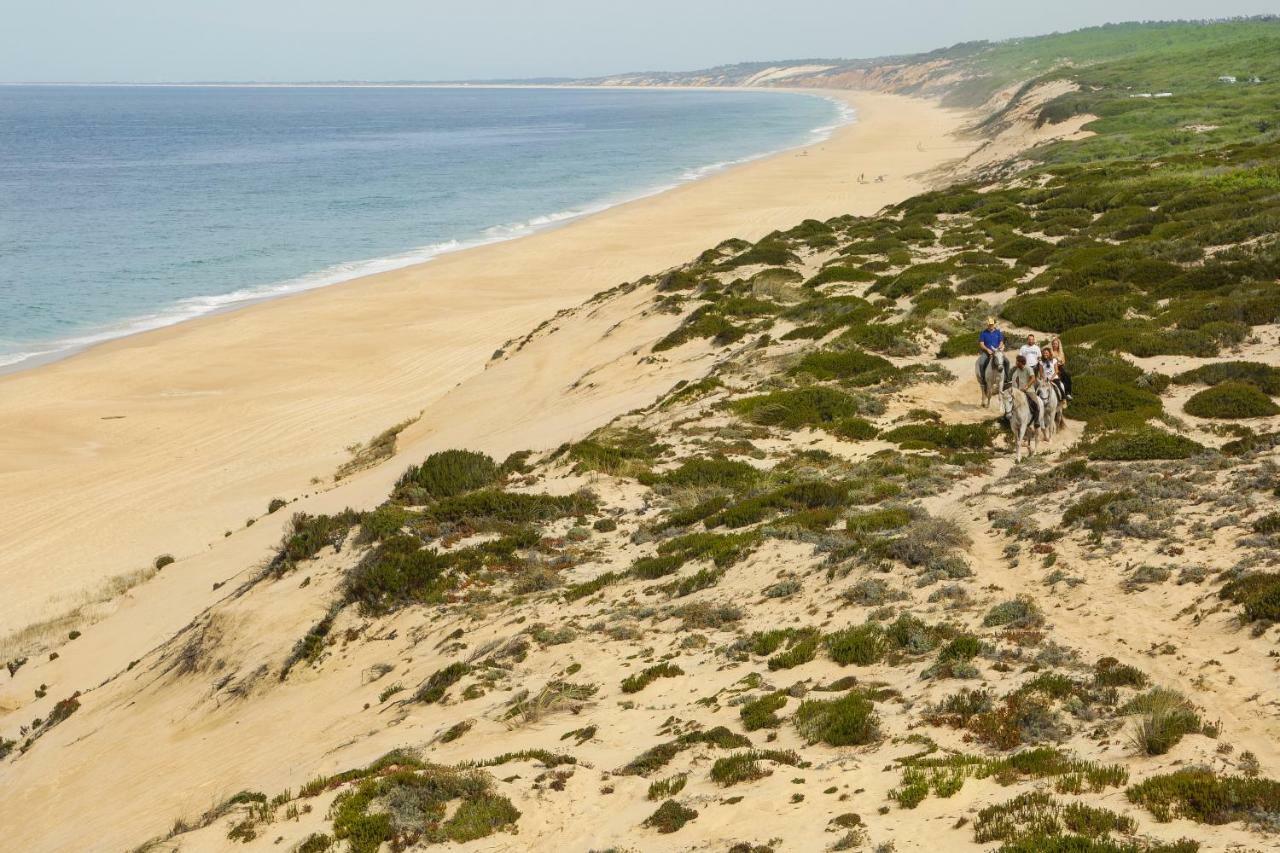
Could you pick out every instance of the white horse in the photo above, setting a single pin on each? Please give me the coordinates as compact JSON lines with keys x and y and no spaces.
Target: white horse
{"x":1053,"y":417}
{"x":993,"y":381}
{"x":1017,"y":411}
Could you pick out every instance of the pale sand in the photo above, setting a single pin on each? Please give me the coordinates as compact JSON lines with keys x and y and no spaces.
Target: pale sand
{"x":162,"y":441}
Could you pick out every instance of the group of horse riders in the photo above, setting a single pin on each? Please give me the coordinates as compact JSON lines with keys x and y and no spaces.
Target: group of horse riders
{"x":1036,"y":369}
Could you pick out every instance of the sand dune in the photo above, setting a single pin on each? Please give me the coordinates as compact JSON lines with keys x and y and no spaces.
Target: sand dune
{"x":164,"y":441}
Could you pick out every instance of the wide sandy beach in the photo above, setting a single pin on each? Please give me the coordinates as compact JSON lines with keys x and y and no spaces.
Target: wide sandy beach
{"x":168,"y":441}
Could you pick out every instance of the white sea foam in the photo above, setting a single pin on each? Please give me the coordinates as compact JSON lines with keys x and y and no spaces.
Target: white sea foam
{"x":198,"y":306}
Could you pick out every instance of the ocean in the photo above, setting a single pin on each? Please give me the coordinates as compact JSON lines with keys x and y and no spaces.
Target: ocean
{"x":126,"y":208}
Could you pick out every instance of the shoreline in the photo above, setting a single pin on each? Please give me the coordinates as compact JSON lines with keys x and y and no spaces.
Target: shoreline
{"x":247,"y":296}
{"x":163,"y":442}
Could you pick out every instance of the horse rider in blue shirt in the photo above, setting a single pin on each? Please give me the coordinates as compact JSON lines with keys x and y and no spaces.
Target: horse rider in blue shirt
{"x":990,"y":340}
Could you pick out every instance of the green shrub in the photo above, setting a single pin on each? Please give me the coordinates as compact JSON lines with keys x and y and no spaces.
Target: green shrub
{"x":591,"y":587}
{"x":813,"y":494}
{"x":1017,"y":246}
{"x":771,"y":253}
{"x":659,"y":756}
{"x":449,"y":473}
{"x":894,"y":339}
{"x":640,"y":680}
{"x":853,"y":429}
{"x":652,"y":568}
{"x":316,"y":842}
{"x":421,"y":794}
{"x":838,"y":272}
{"x":962,"y":648}
{"x":1109,"y":672}
{"x":912,"y":635}
{"x":1148,"y":343}
{"x":984,"y":281}
{"x":1057,"y":312}
{"x":854,"y":366}
{"x":1100,"y":511}
{"x":434,"y":688}
{"x":1231,"y":400}
{"x":934,"y":435}
{"x":397,"y":572}
{"x":848,"y":721}
{"x":889,"y":518}
{"x":964,"y":343}
{"x":491,"y":506}
{"x":802,"y":647}
{"x":860,"y":645}
{"x":723,"y":550}
{"x":1165,"y":716}
{"x":1021,"y":612}
{"x":1259,"y":594}
{"x":927,"y":541}
{"x":704,"y":322}
{"x":745,"y":766}
{"x":1034,"y":821}
{"x":695,"y":513}
{"x":1200,"y":795}
{"x":702,"y":472}
{"x":662,"y":789}
{"x":761,"y":713}
{"x":828,"y":313}
{"x":1142,"y":443}
{"x":1096,"y":396}
{"x":670,"y":817}
{"x":1106,"y":365}
{"x":308,"y":535}
{"x":959,"y":707}
{"x":1265,"y":376}
{"x":1267,"y":524}
{"x":621,"y":453}
{"x":387,"y":520}
{"x":798,"y":408}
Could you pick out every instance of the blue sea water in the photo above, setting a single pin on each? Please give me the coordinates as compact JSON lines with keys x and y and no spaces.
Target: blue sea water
{"x":126,"y":208}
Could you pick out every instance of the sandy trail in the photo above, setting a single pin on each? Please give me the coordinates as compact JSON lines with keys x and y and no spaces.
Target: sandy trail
{"x":1097,"y":617}
{"x":163,"y":441}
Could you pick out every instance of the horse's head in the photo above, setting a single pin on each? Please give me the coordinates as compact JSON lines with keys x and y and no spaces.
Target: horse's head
{"x":1006,"y":400}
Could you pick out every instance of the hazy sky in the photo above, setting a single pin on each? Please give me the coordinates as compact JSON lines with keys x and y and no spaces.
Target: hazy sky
{"x":150,"y":40}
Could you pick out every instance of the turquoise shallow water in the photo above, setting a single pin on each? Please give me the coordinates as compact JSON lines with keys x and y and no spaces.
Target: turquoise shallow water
{"x":127,"y":208}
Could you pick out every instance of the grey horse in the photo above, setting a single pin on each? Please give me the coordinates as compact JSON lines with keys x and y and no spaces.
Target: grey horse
{"x":1017,"y":411}
{"x":992,"y":382}
{"x":1054,"y":406}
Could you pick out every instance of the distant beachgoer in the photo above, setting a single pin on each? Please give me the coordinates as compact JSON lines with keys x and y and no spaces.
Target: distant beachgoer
{"x":1030,"y":352}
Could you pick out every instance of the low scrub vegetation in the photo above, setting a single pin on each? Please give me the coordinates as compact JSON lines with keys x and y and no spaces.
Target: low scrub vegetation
{"x":1205,"y":797}
{"x":1231,"y":400}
